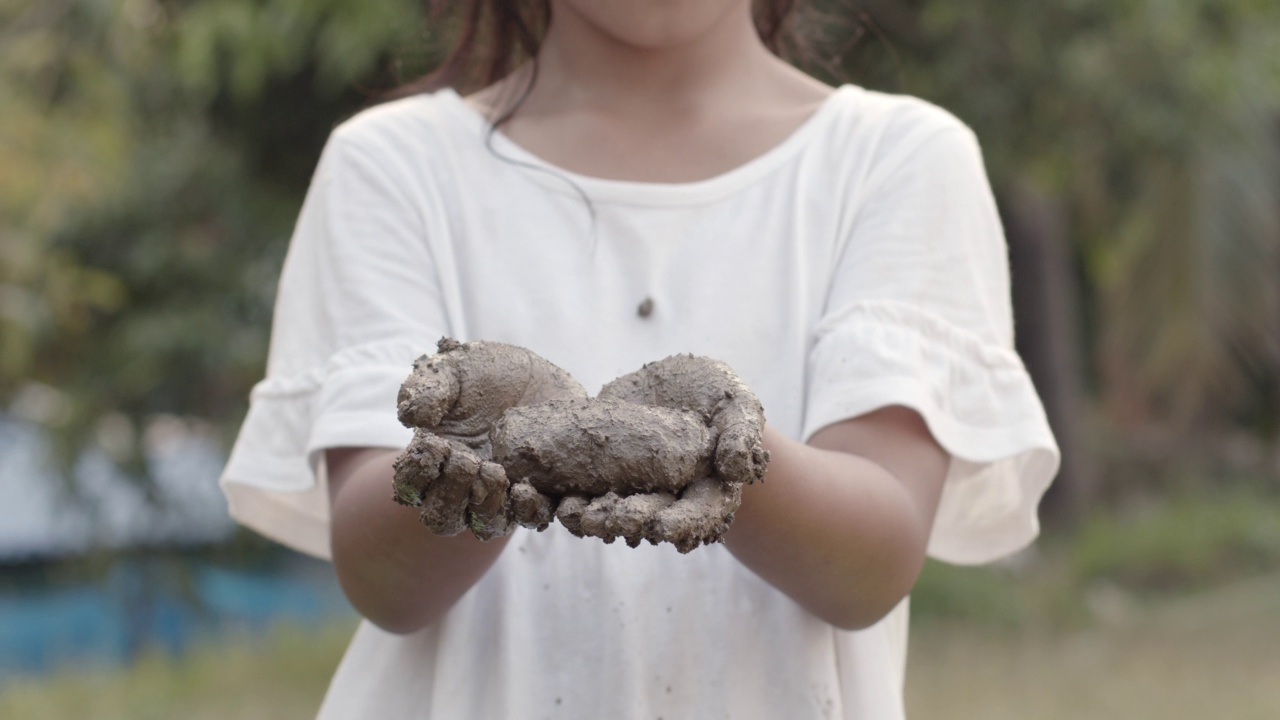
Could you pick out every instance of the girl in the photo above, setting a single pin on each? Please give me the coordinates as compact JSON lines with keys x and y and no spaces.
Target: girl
{"x":655,"y":180}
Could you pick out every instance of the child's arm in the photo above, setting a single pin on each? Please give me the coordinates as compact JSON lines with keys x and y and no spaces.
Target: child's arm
{"x":841,"y":524}
{"x":394,"y":572}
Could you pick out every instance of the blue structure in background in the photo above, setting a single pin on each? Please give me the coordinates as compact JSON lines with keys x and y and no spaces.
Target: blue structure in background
{"x":149,"y":602}
{"x":161,"y":582}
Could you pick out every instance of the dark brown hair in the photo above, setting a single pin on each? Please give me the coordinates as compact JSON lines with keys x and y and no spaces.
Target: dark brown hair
{"x":491,"y":38}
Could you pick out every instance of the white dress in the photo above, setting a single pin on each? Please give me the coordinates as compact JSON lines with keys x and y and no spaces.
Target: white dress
{"x":858,"y":264}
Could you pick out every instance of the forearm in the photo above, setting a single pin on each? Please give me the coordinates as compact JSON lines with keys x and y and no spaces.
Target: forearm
{"x":838,"y":533}
{"x":393,"y":570}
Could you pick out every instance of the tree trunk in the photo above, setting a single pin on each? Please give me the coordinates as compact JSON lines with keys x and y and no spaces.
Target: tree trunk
{"x":1047,"y":332}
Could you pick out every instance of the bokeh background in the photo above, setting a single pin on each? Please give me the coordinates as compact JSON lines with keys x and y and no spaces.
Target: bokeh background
{"x":153,"y":156}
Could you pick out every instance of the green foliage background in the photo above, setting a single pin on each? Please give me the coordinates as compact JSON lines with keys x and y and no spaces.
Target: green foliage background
{"x":152,"y":158}
{"x":153,"y":155}
{"x":1156,"y":124}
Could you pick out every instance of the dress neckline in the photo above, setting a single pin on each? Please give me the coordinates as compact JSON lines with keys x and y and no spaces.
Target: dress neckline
{"x":632,"y":192}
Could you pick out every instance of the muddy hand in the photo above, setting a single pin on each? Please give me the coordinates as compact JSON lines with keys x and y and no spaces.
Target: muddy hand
{"x":461,"y":391}
{"x":453,"y":399}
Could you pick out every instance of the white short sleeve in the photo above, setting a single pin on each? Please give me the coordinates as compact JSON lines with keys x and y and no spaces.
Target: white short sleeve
{"x":919,"y":315}
{"x":358,"y":301}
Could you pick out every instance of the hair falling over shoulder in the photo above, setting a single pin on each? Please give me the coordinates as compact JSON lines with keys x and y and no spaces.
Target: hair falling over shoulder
{"x":491,"y":38}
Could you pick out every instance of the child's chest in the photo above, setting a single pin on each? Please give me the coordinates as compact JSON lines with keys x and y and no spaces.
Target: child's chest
{"x":602,"y":293}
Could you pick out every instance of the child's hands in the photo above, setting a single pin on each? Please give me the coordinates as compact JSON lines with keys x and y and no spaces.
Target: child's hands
{"x":453,"y":399}
{"x":660,"y":455}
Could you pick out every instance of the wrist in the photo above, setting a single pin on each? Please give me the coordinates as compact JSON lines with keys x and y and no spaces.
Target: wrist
{"x":832,"y":530}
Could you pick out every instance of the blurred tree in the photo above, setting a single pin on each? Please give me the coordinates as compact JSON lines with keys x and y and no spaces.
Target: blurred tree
{"x":152,"y":159}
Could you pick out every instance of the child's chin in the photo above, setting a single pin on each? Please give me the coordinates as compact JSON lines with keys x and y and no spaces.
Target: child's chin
{"x":654,"y":24}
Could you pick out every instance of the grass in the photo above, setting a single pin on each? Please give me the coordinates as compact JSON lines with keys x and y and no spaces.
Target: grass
{"x":1211,"y":654}
{"x":1186,"y":543}
{"x":1170,"y":610}
{"x":277,"y":677}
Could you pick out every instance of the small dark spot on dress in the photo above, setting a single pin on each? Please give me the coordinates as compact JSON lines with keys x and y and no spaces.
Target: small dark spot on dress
{"x":646,"y":308}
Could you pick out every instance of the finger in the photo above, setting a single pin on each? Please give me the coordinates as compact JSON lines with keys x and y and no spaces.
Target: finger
{"x":529,"y":507}
{"x":570,"y":511}
{"x":610,"y":516}
{"x":417,"y":468}
{"x":444,"y":509}
{"x":487,"y":506}
{"x":740,"y":457}
{"x":632,"y":514}
{"x":597,"y":515}
{"x":701,"y":515}
{"x":430,"y":391}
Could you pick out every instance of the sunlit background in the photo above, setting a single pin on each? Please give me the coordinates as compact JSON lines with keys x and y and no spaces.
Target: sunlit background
{"x":153,"y":156}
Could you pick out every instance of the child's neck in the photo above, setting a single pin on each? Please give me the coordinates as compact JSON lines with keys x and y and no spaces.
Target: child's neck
{"x":675,"y":113}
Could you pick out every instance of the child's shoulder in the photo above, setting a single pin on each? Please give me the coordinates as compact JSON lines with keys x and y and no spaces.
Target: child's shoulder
{"x":405,"y":126}
{"x":885,"y":123}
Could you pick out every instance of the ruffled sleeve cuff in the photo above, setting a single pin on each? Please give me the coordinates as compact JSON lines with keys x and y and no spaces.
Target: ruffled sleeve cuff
{"x":274,"y":479}
{"x":977,"y":400}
